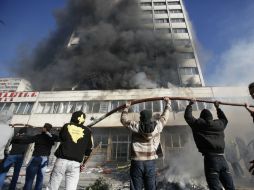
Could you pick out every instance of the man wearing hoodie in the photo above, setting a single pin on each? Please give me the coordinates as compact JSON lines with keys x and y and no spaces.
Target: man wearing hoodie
{"x":76,"y":143}
{"x":42,"y":147}
{"x":251,"y":111}
{"x":145,"y":146}
{"x":15,"y":157}
{"x":209,"y":136}
{"x":251,"y":91}
{"x":7,"y":132}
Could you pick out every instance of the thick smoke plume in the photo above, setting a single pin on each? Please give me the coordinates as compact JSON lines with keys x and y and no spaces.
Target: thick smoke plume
{"x":114,"y":49}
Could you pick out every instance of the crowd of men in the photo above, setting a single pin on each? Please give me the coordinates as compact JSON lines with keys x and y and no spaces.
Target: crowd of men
{"x":76,"y":145}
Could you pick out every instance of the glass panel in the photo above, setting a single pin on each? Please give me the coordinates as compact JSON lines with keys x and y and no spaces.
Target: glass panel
{"x":47,"y":107}
{"x":6,"y":106}
{"x":63,"y":107}
{"x":56,"y":107}
{"x":182,"y":105}
{"x":29,"y":107}
{"x":79,"y":106}
{"x":71,"y":107}
{"x":16,"y":106}
{"x":174,"y":105}
{"x":87,"y":108}
{"x":21,"y":108}
{"x":96,"y":107}
{"x":40,"y":107}
{"x":148,"y":106}
{"x":114,"y":104}
{"x":157,"y":106}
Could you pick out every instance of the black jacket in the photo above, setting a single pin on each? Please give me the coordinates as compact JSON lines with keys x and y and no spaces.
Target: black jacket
{"x":208,"y":134}
{"x":76,"y":142}
{"x":42,"y":143}
{"x":18,"y":148}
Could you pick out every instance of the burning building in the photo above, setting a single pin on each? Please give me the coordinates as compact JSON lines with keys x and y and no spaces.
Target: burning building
{"x":124,"y":44}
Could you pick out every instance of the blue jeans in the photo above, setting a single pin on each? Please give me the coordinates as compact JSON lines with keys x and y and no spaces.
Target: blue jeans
{"x":143,"y":173}
{"x":216,"y":172}
{"x":11,"y":160}
{"x":37,"y":166}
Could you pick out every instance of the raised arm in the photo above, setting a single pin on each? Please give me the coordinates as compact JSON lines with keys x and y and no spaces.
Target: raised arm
{"x":188,"y":114}
{"x":132,"y":125}
{"x":249,"y":110}
{"x":165,"y":114}
{"x":220,"y":113}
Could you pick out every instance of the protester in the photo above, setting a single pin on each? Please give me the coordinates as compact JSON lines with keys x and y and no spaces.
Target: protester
{"x":37,"y":165}
{"x":251,"y":91}
{"x":145,"y":146}
{"x":15,"y":157}
{"x":76,"y":142}
{"x":208,"y":135}
{"x":7,"y":132}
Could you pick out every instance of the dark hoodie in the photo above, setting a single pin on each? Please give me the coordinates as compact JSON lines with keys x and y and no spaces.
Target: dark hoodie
{"x":76,"y":139}
{"x":208,"y":134}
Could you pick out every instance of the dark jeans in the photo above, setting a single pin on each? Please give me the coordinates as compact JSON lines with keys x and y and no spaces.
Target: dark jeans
{"x":11,"y":160}
{"x":216,"y":172}
{"x":37,"y":166}
{"x":143,"y":173}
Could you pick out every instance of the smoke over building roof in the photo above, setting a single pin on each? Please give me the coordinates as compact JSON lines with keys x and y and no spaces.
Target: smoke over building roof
{"x":113,"y":50}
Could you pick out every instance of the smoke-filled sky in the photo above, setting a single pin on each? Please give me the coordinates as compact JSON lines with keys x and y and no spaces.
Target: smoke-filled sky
{"x":225,"y":35}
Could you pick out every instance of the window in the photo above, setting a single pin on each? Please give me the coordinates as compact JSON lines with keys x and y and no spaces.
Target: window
{"x":180,"y":30}
{"x":160,"y":11}
{"x":187,"y":55}
{"x":188,"y":71}
{"x":23,"y":108}
{"x":120,"y":144}
{"x":163,"y":20}
{"x":147,"y":11}
{"x":174,"y":3}
{"x":159,"y":3}
{"x":175,"y":11}
{"x":176,"y":20}
{"x":146,"y":4}
{"x":163,"y":30}
{"x":182,"y":42}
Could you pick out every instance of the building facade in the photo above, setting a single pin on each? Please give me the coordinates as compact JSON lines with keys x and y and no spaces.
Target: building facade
{"x":170,"y":19}
{"x":14,"y":85}
{"x":36,"y":108}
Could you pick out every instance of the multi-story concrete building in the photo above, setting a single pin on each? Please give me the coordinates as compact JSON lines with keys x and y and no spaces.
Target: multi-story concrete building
{"x":170,"y":19}
{"x":36,"y":108}
{"x":14,"y":85}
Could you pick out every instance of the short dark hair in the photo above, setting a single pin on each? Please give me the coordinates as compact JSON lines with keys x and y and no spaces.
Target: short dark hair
{"x":251,"y":85}
{"x":47,"y":126}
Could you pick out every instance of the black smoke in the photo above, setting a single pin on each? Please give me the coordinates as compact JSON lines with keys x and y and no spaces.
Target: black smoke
{"x":115,"y":50}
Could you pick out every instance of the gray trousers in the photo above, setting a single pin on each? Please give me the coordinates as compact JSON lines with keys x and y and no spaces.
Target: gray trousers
{"x":69,"y":169}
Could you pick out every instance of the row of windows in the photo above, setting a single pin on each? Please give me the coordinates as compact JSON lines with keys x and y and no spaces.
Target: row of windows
{"x":20,"y":108}
{"x":186,"y":55}
{"x":166,"y":20}
{"x":189,"y":71}
{"x":162,"y":11}
{"x":106,"y":106}
{"x":160,"y":3}
{"x":175,"y":30}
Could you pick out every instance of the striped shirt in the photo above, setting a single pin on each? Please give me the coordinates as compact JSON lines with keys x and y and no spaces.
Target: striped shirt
{"x":145,"y":146}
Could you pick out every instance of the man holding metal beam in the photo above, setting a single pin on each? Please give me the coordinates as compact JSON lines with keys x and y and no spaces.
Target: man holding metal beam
{"x":209,"y":137}
{"x":251,"y":90}
{"x":145,"y":146}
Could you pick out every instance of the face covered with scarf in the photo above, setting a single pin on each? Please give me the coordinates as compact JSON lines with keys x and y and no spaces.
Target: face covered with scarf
{"x":146,"y":124}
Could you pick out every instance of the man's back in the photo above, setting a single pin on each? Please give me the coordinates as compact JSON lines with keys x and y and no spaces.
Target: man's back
{"x":75,"y":142}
